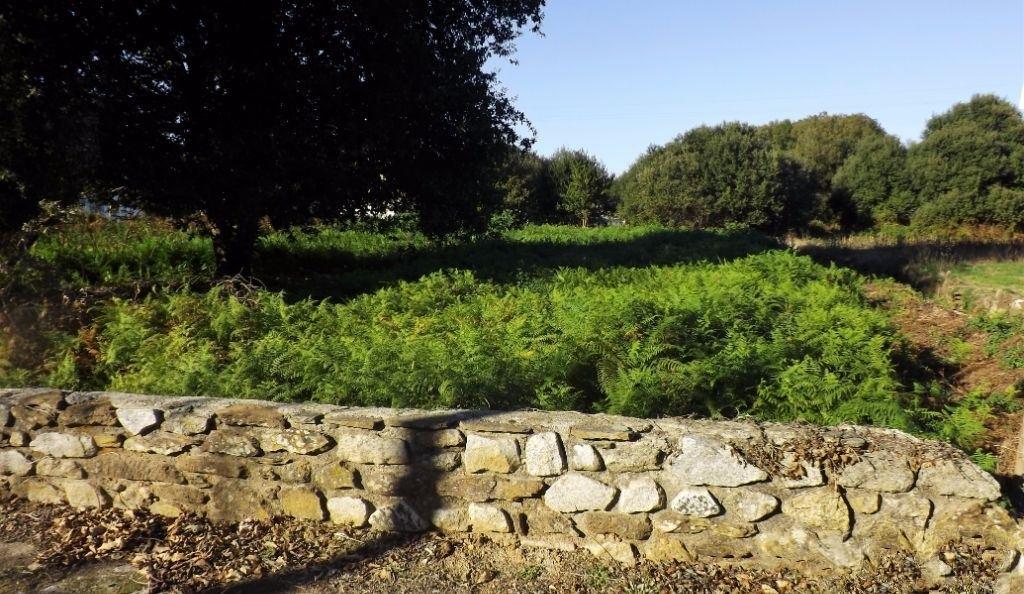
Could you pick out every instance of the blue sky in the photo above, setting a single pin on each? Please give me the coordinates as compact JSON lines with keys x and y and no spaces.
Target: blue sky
{"x":613,"y":77}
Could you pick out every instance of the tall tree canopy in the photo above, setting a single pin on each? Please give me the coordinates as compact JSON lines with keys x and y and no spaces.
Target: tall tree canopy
{"x":716,"y":175}
{"x":237,"y":110}
{"x":582,"y":186}
{"x":969,"y":165}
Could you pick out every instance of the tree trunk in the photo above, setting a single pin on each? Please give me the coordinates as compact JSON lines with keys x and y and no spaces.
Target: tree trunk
{"x":234,"y":242}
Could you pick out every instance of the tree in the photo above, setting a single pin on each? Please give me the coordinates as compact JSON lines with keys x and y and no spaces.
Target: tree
{"x":967,"y":154}
{"x":287,"y":109}
{"x":582,"y":186}
{"x":525,"y":187}
{"x":823,"y":142}
{"x":871,"y":185}
{"x":714,"y":176}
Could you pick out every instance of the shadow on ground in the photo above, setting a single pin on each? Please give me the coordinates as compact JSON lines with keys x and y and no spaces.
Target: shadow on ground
{"x":918,"y":264}
{"x":340,"y":274}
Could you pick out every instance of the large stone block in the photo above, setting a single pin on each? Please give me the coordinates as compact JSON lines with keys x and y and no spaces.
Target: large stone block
{"x":236,"y":500}
{"x":203,"y":463}
{"x":13,"y":462}
{"x":545,"y":455}
{"x":819,"y":508}
{"x":450,"y":519}
{"x":302,"y":502}
{"x":92,"y":412}
{"x":641,"y":494}
{"x":623,"y":552}
{"x":164,"y":443}
{"x":958,"y":478}
{"x":695,"y":501}
{"x":41,"y":491}
{"x":516,"y":488}
{"x":575,"y":492}
{"x":232,"y":443}
{"x":434,"y":440}
{"x":41,"y":398}
{"x":187,"y":421}
{"x":628,"y":526}
{"x":907,"y":509}
{"x":133,"y":495}
{"x":104,"y":437}
{"x":64,"y":445}
{"x":27,"y":417}
{"x":370,"y":448}
{"x":879,"y":471}
{"x":638,"y":456}
{"x":389,"y":480}
{"x":676,"y":522}
{"x":488,"y":518}
{"x":296,"y":441}
{"x":83,"y":494}
{"x":349,"y":511}
{"x":397,"y":517}
{"x":133,"y":467}
{"x":664,"y":548}
{"x":475,"y":487}
{"x":585,"y":457}
{"x":353,"y":420}
{"x":59,"y":467}
{"x":749,"y":504}
{"x":491,"y":454}
{"x":334,"y":475}
{"x":252,"y":415}
{"x":705,"y":461}
{"x":184,"y":497}
{"x":137,"y":420}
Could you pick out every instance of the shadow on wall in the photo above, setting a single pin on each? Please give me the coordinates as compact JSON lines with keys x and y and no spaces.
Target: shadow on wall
{"x":417,"y":482}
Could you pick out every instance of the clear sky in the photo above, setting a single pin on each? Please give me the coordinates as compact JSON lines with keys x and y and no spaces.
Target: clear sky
{"x":614,"y":76}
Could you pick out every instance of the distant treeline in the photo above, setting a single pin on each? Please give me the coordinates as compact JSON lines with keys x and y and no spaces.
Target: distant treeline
{"x":837,"y":172}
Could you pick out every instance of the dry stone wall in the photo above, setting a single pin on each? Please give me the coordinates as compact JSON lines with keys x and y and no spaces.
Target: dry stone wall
{"x":667,"y":489}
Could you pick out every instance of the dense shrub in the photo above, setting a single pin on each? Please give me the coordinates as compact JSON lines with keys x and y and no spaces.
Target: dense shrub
{"x":715,"y":176}
{"x":95,"y":252}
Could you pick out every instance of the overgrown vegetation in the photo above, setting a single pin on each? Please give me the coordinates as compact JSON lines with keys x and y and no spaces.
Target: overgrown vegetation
{"x":640,"y":321}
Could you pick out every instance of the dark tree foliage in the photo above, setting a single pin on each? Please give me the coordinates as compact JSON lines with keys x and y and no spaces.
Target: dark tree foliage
{"x":715,"y":176}
{"x":525,"y":188}
{"x":289,"y":109}
{"x":823,"y":142}
{"x":16,"y":208}
{"x":871,"y":185}
{"x":969,"y":165}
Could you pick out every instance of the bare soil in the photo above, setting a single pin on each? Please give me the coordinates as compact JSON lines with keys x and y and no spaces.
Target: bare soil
{"x":941,"y":339}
